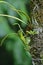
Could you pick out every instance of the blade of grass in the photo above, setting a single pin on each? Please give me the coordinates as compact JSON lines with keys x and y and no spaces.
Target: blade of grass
{"x":5,"y":38}
{"x":25,"y":15}
{"x":11,"y":6}
{"x":17,"y":11}
{"x":13,"y":18}
{"x":19,"y":27}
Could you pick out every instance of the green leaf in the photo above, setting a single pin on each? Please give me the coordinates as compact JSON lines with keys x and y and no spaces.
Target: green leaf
{"x":31,"y":32}
{"x":14,"y":44}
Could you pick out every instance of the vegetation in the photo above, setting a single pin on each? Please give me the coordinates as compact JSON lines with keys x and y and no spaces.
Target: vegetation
{"x":18,"y":23}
